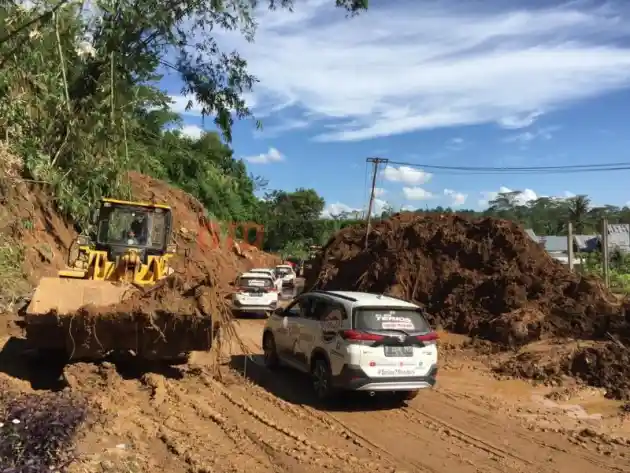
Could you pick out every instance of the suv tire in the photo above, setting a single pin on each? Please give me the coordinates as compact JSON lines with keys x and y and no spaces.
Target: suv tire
{"x":321,"y":379}
{"x":270,"y":354}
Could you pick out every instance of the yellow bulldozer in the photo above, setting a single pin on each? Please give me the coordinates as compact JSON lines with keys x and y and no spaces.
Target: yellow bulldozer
{"x":129,"y":250}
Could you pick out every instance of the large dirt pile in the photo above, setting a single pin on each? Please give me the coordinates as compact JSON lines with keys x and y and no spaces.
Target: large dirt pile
{"x":194,"y":235}
{"x":34,"y":239}
{"x":482,"y":277}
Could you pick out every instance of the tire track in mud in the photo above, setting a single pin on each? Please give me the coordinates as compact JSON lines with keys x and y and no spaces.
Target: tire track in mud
{"x":310,"y":451}
{"x":311,"y":416}
{"x":490,"y":425}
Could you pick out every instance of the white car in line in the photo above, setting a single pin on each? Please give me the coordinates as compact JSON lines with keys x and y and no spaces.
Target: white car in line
{"x":354,"y":341}
{"x":286,"y":274}
{"x":255,"y":293}
{"x":271,"y":273}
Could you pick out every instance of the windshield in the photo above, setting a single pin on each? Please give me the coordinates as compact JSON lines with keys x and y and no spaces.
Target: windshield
{"x":132,"y":226}
{"x":283,"y":271}
{"x":390,"y":318}
{"x":255,"y":282}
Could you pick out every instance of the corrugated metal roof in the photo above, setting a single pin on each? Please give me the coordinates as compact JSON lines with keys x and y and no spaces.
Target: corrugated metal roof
{"x":586,"y":242}
{"x":619,"y":236}
{"x":554,"y":243}
{"x":618,"y":228}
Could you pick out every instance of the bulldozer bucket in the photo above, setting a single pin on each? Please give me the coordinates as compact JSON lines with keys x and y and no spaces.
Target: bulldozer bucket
{"x":65,"y":296}
{"x":53,"y":321}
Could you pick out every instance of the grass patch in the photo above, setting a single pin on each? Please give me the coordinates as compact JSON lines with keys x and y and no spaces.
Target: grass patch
{"x":12,"y":283}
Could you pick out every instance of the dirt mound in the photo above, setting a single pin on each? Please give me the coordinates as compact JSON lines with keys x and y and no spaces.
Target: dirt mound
{"x":34,"y":239}
{"x":202,"y":240}
{"x":606,"y":366}
{"x":483,"y":277}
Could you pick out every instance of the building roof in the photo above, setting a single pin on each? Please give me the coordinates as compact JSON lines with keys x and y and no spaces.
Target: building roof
{"x":554,"y":243}
{"x":586,"y":242}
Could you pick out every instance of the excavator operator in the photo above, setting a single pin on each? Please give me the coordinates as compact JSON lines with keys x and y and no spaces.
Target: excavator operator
{"x":137,"y":234}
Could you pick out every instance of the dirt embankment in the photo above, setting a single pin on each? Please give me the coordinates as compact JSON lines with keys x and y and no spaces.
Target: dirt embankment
{"x":480,"y":277}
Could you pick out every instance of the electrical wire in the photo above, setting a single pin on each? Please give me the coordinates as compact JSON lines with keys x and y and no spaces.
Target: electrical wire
{"x":567,"y":169}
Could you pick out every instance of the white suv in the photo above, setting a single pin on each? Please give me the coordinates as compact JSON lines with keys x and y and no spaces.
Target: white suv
{"x":255,"y":293}
{"x":354,"y":341}
{"x":269,"y":272}
{"x":286,"y":274}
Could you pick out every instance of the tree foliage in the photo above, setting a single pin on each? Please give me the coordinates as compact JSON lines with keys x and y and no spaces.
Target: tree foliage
{"x":77,"y":81}
{"x":548,"y":216}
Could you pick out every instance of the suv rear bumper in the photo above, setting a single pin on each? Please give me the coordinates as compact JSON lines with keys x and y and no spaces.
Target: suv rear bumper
{"x":238,"y":307}
{"x":354,"y":379}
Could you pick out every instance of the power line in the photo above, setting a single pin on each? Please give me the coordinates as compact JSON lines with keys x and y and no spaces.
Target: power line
{"x":570,"y":169}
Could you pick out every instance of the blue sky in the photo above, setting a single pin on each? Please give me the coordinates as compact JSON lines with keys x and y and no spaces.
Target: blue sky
{"x":452,"y":83}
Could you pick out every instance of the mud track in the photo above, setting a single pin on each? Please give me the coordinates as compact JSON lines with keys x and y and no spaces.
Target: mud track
{"x":187,"y":420}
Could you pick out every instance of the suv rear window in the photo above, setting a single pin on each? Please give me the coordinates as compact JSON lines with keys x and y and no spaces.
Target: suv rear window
{"x":390,"y":318}
{"x":255,"y":282}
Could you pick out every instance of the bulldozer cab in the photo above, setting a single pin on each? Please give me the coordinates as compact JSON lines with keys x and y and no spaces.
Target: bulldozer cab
{"x":121,"y":225}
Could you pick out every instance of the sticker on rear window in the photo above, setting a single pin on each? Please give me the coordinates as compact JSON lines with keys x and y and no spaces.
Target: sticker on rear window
{"x":392,"y":322}
{"x":332,"y":321}
{"x":256,"y":282}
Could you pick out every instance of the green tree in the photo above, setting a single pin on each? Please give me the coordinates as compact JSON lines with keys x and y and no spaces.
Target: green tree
{"x":292,"y":217}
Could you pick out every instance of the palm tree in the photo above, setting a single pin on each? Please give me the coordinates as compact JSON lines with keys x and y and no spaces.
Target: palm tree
{"x":578,"y":208}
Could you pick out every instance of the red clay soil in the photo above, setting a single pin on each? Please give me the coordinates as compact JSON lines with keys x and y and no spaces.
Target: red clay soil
{"x":482,"y":277}
{"x":192,"y":235}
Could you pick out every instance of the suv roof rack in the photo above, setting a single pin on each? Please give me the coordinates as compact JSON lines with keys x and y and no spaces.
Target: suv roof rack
{"x":340,"y":296}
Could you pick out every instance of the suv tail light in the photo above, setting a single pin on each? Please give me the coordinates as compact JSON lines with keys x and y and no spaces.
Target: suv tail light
{"x":428,"y":338}
{"x":272,"y":289}
{"x":357,"y":335}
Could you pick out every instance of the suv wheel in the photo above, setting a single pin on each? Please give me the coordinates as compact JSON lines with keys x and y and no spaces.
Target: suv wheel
{"x":269,"y":351}
{"x":321,"y":378}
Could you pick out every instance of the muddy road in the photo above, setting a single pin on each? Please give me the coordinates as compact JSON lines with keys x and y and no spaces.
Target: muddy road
{"x":186,"y":419}
{"x":240,"y":417}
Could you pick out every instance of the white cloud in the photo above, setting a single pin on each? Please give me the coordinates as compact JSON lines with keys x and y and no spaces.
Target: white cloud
{"x":523,"y":198}
{"x":457,"y":198}
{"x":271,"y":156}
{"x":525,"y":137}
{"x":460,"y":64}
{"x":379,"y":192}
{"x":417,"y":193}
{"x":192,"y":131}
{"x":332,"y":210}
{"x":179,"y":104}
{"x":456,"y":144}
{"x":406,"y":175}
{"x":515,"y":122}
{"x":568,"y":194}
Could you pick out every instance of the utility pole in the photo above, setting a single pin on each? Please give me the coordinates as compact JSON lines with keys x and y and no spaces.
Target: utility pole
{"x":375,"y":163}
{"x":605,"y":261}
{"x":570,"y":245}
